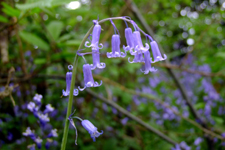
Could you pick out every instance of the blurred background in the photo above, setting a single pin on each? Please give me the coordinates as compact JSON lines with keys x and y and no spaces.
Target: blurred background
{"x":184,"y":99}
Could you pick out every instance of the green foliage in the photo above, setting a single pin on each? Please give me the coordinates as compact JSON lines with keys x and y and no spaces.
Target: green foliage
{"x":50,"y":35}
{"x":35,"y":40}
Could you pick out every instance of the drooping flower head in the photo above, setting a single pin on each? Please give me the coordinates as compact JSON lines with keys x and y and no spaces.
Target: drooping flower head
{"x":155,"y":51}
{"x":95,"y":37}
{"x":68,"y":83}
{"x":148,"y":67}
{"x":92,"y":130}
{"x":115,"y":45}
{"x":88,"y":78}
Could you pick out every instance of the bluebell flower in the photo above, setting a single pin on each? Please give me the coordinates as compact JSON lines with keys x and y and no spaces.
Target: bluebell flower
{"x":177,"y":147}
{"x":37,"y":98}
{"x":198,"y":141}
{"x":88,"y":78}
{"x":96,"y":59}
{"x":115,"y":44}
{"x":91,"y":129}
{"x":43,"y":118}
{"x":115,"y":47}
{"x":68,"y":83}
{"x":48,"y":108}
{"x":38,"y":141}
{"x":138,"y":56}
{"x":95,"y":46}
{"x":53,"y":133}
{"x":31,"y":106}
{"x":156,"y":53}
{"x":29,"y":133}
{"x":139,"y":48}
{"x":148,"y":67}
{"x":48,"y":143}
{"x":129,"y":39}
{"x":95,"y":37}
{"x":31,"y":147}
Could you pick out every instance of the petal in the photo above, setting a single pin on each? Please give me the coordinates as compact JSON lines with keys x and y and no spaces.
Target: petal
{"x":87,"y":43}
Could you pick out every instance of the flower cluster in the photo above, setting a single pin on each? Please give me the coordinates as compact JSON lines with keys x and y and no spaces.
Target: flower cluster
{"x":135,"y":46}
{"x":43,"y":119}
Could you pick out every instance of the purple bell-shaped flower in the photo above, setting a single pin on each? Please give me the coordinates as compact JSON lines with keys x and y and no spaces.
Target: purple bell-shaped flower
{"x":156,"y":53}
{"x":148,"y":67}
{"x":139,"y":48}
{"x":68,"y":83}
{"x":138,"y":57}
{"x":95,"y":38}
{"x":129,"y":39}
{"x":91,"y":129}
{"x":116,"y":47}
{"x":96,"y":60}
{"x":88,"y":78}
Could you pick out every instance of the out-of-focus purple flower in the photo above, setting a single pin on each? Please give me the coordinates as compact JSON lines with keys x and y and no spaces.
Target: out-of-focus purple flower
{"x":9,"y":136}
{"x":31,"y":147}
{"x":148,"y":67}
{"x":29,"y":133}
{"x":92,"y":130}
{"x":96,"y":60}
{"x":139,"y":48}
{"x":37,"y":98}
{"x":48,"y":108}
{"x":129,"y":39}
{"x":124,"y":120}
{"x":43,"y":118}
{"x":48,"y":143}
{"x":31,"y":106}
{"x":177,"y":147}
{"x":184,"y":145}
{"x":38,"y":141}
{"x":53,"y":133}
{"x":68,"y":83}
{"x":27,"y":53}
{"x":88,"y":78}
{"x":156,"y":53}
{"x":115,"y":47}
{"x":198,"y":141}
{"x":95,"y":37}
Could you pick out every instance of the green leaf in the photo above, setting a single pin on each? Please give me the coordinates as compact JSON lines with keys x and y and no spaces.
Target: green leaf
{"x":34,"y":39}
{"x":3,"y":19}
{"x":34,"y":4}
{"x":220,"y":54}
{"x":199,"y":105}
{"x":218,"y":120}
{"x":55,"y":28}
{"x":39,"y":61}
{"x":10,"y":10}
{"x":60,"y":2}
{"x":64,"y":37}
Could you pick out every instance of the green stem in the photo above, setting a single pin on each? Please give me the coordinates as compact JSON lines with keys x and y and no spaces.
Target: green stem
{"x":75,"y":63}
